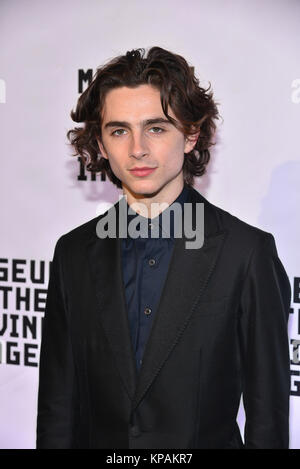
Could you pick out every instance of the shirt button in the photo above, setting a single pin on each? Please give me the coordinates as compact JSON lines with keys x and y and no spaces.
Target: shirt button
{"x":135,"y":431}
{"x":151,"y":262}
{"x":147,"y":311}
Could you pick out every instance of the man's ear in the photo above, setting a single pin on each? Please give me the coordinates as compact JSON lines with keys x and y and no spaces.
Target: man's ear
{"x":101,"y":148}
{"x":190,"y":142}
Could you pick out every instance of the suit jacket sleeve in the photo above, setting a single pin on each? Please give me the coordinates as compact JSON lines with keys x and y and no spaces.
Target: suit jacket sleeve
{"x":265,"y":305}
{"x":56,"y":395}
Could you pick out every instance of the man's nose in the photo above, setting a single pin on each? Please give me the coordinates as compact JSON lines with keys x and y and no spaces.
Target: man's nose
{"x":138,"y":146}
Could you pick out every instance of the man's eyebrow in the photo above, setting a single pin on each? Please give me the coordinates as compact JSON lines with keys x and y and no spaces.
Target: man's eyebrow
{"x":156,"y":120}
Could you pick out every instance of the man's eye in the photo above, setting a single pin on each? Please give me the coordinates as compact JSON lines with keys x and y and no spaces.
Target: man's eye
{"x":158,"y":130}
{"x":118,"y":130}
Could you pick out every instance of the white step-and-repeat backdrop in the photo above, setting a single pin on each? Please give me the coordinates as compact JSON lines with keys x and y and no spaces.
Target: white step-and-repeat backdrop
{"x":248,"y":50}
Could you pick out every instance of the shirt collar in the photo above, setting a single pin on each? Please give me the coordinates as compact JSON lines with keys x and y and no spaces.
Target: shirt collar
{"x":156,"y":224}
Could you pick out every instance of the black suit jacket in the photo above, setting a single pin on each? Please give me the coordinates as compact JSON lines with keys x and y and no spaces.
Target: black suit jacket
{"x":220,"y":331}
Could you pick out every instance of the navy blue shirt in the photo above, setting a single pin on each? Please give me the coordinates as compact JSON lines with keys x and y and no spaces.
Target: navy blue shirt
{"x":145,"y":263}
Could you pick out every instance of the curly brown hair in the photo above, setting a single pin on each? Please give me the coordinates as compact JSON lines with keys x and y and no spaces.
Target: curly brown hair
{"x":193,"y":106}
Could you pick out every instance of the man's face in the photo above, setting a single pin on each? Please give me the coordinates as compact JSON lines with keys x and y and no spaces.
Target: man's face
{"x":133,"y":137}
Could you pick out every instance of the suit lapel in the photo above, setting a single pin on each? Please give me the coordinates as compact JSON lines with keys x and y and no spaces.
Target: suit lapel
{"x":104,"y":257}
{"x":188,"y":274}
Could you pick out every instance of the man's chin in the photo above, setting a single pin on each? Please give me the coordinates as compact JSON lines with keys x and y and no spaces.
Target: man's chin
{"x":142,"y":189}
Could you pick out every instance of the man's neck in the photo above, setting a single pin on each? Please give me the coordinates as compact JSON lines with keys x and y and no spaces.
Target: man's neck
{"x":151,"y":205}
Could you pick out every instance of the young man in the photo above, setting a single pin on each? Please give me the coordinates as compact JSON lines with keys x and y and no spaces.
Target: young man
{"x":149,"y":342}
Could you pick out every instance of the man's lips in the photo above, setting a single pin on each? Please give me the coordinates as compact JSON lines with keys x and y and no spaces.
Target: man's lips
{"x":144,"y":171}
